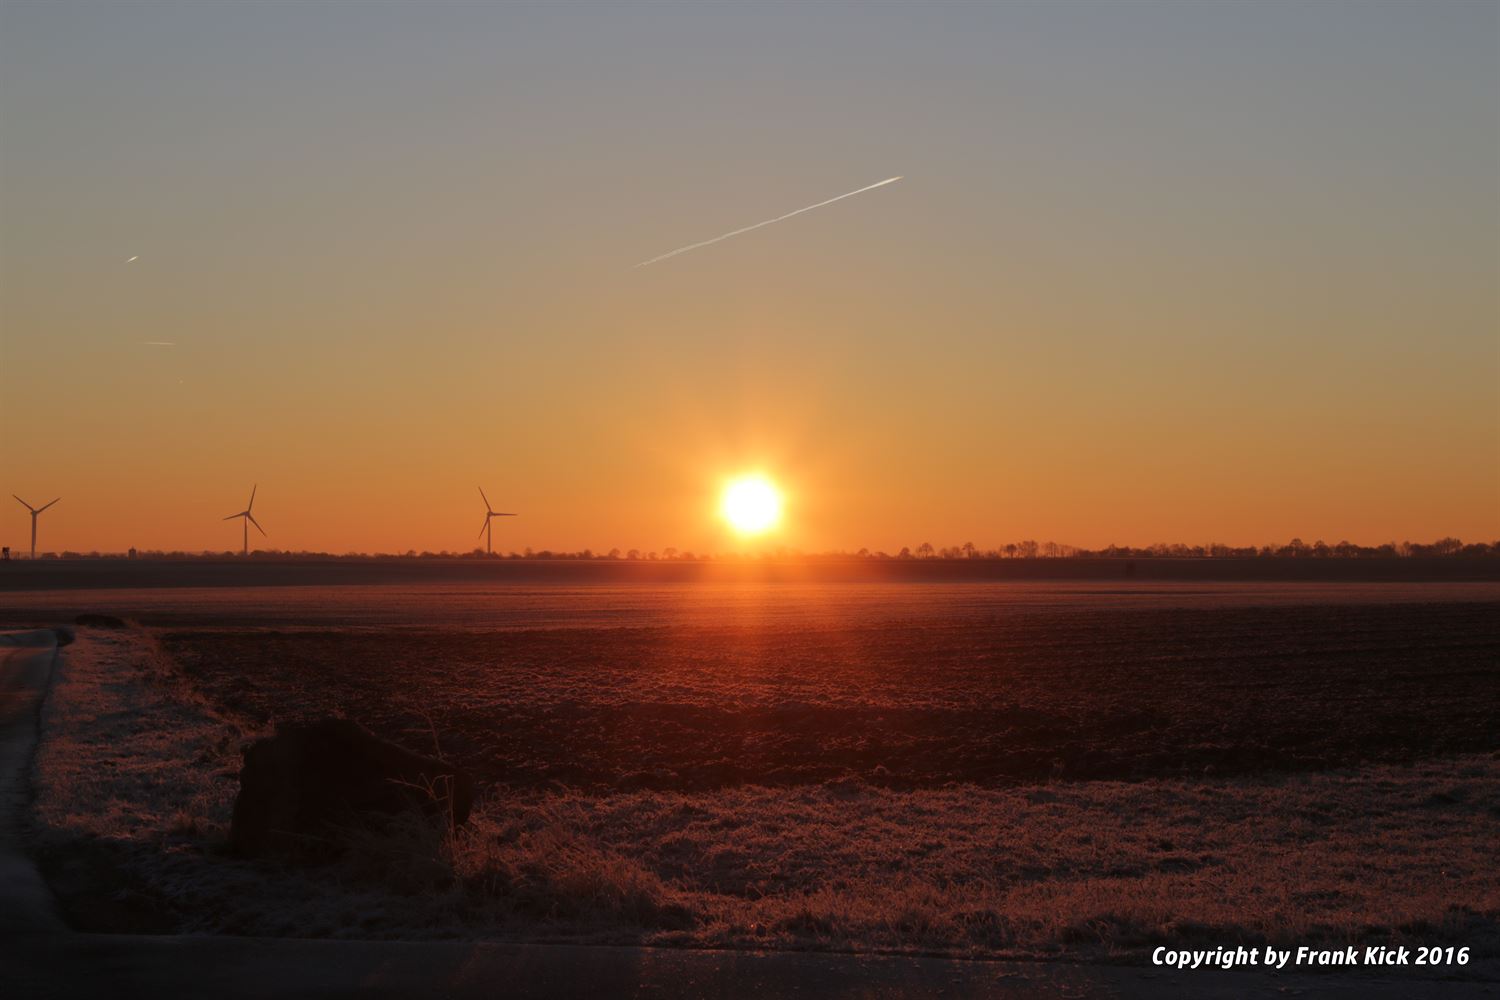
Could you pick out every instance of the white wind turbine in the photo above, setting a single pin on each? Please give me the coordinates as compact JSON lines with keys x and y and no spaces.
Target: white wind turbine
{"x":249,"y":519}
{"x":489,"y":514}
{"x":35,"y":512}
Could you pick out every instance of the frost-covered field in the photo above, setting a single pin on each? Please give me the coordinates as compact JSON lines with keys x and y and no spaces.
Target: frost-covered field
{"x":1021,"y":775}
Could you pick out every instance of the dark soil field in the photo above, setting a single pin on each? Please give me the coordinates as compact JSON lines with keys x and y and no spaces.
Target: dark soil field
{"x":1073,"y":692}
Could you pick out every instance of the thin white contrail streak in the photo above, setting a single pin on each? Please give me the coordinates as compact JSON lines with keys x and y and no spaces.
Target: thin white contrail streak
{"x":779,"y":218}
{"x":158,"y":343}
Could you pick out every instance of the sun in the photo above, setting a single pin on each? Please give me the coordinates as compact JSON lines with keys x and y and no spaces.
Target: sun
{"x":751,"y":505}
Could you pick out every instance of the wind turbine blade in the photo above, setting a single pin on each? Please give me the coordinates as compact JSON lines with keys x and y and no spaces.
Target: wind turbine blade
{"x":251,"y":504}
{"x":231,"y":517}
{"x":497,"y":514}
{"x":486,"y":499}
{"x":49,"y":505}
{"x":23,"y":503}
{"x":256,"y":523}
{"x":486,"y":524}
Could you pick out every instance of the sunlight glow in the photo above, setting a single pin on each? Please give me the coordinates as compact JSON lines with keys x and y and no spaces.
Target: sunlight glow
{"x":751,"y":505}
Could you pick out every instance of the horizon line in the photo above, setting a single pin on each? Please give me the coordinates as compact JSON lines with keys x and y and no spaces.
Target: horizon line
{"x":1444,"y":547}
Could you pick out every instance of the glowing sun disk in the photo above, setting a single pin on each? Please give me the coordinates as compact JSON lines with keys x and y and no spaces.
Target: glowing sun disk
{"x":751,"y":505}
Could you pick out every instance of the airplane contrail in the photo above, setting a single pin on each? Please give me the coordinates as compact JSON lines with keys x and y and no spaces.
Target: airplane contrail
{"x":133,"y":259}
{"x":158,"y":343}
{"x":779,"y":218}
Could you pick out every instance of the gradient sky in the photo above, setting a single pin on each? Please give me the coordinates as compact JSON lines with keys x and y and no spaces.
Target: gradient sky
{"x":1155,"y":272}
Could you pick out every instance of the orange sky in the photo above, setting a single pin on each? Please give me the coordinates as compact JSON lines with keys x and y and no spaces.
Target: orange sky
{"x":1151,"y":276}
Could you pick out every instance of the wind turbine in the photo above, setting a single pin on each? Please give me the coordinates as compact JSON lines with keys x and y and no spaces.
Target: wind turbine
{"x":489,"y":512}
{"x":249,"y":519}
{"x":35,"y":512}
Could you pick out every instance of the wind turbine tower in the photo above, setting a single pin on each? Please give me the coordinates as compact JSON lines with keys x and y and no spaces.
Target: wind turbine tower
{"x":35,"y":513}
{"x":248,"y":519}
{"x":489,"y":514}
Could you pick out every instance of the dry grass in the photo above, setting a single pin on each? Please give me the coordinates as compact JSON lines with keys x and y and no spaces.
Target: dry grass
{"x":136,"y":777}
{"x":1095,"y":867}
{"x":127,"y":738}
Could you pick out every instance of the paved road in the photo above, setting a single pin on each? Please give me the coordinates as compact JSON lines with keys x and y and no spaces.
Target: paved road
{"x":40,"y":958}
{"x":224,"y":968}
{"x":25,"y":664}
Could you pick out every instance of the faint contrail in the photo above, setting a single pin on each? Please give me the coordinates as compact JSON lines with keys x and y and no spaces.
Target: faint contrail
{"x":779,"y":218}
{"x":158,"y":343}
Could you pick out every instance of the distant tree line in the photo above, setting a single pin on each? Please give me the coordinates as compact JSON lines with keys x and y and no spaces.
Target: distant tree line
{"x":1295,"y":549}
